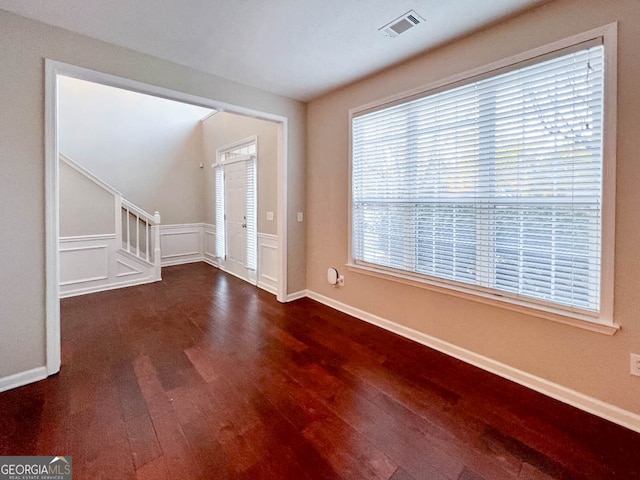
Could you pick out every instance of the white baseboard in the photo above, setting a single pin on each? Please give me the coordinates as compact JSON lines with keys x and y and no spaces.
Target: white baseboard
{"x":298,"y":295}
{"x":268,"y":287}
{"x":104,"y":287}
{"x":181,"y":261}
{"x":23,"y":378}
{"x":571,"y":397}
{"x":251,"y":279}
{"x":210,"y":261}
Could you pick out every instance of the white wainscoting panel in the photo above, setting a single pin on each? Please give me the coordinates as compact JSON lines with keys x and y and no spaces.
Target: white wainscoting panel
{"x":268,"y":262}
{"x":181,"y":243}
{"x":85,"y":263}
{"x":209,"y":252}
{"x":188,"y":243}
{"x":94,"y":263}
{"x":124,"y":269}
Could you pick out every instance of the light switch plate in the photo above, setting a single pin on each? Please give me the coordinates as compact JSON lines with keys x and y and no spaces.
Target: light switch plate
{"x":270,"y":216}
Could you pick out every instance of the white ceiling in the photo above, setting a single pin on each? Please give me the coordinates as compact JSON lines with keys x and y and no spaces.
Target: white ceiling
{"x":297,"y":48}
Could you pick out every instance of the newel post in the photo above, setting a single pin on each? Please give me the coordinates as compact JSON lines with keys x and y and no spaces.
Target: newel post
{"x":156,"y":242}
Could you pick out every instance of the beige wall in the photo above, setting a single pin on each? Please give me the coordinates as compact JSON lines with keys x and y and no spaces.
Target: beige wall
{"x":25,"y":45}
{"x":147,"y":148}
{"x":223,"y":129}
{"x":591,"y":363}
{"x":85,"y":208}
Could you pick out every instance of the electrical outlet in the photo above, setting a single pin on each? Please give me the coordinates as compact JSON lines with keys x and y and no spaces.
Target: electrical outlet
{"x":635,"y":364}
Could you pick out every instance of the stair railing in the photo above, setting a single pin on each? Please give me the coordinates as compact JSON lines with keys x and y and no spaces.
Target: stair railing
{"x":141,"y":233}
{"x":138,"y":230}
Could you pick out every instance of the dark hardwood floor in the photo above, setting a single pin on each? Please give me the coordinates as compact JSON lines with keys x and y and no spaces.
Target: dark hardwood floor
{"x":202,"y":376}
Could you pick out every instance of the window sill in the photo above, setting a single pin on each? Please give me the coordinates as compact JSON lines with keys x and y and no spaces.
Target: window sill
{"x":573,"y":319}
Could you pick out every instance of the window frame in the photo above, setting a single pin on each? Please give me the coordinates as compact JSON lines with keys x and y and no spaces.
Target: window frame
{"x":603,"y":322}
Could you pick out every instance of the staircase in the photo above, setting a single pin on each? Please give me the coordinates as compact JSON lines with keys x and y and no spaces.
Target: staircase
{"x":127,"y":253}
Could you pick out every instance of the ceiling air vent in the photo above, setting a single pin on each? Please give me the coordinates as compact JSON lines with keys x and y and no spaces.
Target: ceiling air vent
{"x":401,"y":24}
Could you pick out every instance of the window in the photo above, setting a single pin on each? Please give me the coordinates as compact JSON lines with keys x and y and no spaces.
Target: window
{"x":493,"y":184}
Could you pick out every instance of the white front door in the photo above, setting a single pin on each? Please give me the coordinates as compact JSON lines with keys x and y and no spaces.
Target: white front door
{"x":239,"y":224}
{"x":235,"y":185}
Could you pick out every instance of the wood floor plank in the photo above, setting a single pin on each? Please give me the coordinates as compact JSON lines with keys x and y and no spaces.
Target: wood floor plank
{"x":202,"y":363}
{"x":147,"y":377}
{"x":142,"y":439}
{"x":469,"y":475}
{"x":237,"y":448}
{"x":529,"y":472}
{"x":23,"y":420}
{"x":366,"y":460}
{"x":208,"y":451}
{"x":205,"y":376}
{"x":131,"y":398}
{"x":406,"y":446}
{"x":230,"y":409}
{"x":154,"y":470}
{"x":178,"y":455}
{"x":184,"y":404}
{"x":228,"y":422}
{"x":283,"y":450}
{"x":360,"y":461}
{"x":99,"y":440}
{"x":401,"y":474}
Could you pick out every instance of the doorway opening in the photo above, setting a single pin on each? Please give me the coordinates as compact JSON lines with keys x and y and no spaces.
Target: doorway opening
{"x":55,"y":70}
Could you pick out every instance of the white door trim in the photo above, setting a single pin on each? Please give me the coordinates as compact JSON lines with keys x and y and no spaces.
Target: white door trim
{"x":54,"y":68}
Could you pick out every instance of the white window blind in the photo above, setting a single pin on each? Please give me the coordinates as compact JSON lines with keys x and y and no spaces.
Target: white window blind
{"x":495,"y":183}
{"x":251,"y":221}
{"x":221,"y":251}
